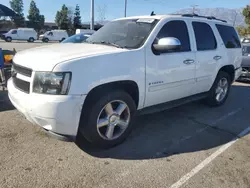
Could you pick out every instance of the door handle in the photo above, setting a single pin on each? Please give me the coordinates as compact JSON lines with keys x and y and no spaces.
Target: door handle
{"x":217,"y":57}
{"x":188,"y":61}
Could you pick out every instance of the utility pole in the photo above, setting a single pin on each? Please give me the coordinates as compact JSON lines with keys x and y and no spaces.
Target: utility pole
{"x":92,"y":14}
{"x":193,"y":11}
{"x":125,"y":10}
{"x":235,"y":18}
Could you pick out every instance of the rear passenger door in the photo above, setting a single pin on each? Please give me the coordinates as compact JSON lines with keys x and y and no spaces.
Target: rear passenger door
{"x":207,"y":55}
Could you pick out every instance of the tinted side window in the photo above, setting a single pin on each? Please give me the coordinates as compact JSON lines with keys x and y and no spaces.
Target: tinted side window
{"x":229,"y":36}
{"x":177,"y":29}
{"x":205,"y":39}
{"x":14,"y":32}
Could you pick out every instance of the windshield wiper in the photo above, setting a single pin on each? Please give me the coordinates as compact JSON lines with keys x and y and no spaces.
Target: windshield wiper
{"x":111,"y":44}
{"x":108,"y":43}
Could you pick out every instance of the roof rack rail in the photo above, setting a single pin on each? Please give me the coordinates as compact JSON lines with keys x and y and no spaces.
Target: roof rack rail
{"x":207,"y":17}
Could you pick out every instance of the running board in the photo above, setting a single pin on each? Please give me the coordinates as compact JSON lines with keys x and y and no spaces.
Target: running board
{"x":171,"y":104}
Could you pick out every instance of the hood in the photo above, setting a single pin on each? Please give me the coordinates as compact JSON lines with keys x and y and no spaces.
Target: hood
{"x":47,"y":57}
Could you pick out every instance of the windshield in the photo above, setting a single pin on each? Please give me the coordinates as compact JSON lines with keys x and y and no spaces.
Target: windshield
{"x":79,"y":38}
{"x":129,"y":33}
{"x":12,"y":30}
{"x":246,"y":50}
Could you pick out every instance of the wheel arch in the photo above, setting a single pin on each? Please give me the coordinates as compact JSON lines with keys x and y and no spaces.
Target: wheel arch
{"x":129,"y":86}
{"x":230,"y":69}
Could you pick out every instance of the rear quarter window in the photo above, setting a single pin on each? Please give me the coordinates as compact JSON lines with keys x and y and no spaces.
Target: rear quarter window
{"x":229,"y":36}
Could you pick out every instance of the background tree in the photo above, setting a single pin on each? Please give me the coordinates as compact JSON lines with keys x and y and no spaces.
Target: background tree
{"x":71,"y":29}
{"x":17,"y":6}
{"x":246,"y":31}
{"x":243,"y":31}
{"x":62,"y":18}
{"x":77,"y":18}
{"x":35,"y":19}
{"x":246,"y":13}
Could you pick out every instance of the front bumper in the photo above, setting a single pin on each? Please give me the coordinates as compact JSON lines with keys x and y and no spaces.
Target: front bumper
{"x":56,"y":114}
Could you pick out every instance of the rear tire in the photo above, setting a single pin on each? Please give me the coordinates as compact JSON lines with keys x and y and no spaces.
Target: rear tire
{"x":117,"y":121}
{"x":218,"y":94}
{"x":8,"y":39}
{"x":31,"y":39}
{"x":46,"y":40}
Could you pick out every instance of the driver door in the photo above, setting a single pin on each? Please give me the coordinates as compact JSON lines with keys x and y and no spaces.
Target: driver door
{"x":170,"y":75}
{"x":51,"y":36}
{"x":15,"y":34}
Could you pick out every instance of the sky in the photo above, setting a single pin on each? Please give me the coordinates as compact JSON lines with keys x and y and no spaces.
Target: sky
{"x":115,"y":8}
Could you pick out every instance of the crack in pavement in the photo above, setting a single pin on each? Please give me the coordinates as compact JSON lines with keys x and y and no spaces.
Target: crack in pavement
{"x":215,"y":127}
{"x":212,"y":125}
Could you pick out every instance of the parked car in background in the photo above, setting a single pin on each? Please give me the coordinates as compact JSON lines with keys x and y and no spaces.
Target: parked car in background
{"x":2,"y":33}
{"x":78,"y":38}
{"x":245,"y":40}
{"x":54,"y":35}
{"x":144,"y":64}
{"x":28,"y":34}
{"x":245,"y":75}
{"x":85,"y":31}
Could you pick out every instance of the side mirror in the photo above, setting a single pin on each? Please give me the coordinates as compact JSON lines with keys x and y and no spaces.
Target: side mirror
{"x":167,"y":44}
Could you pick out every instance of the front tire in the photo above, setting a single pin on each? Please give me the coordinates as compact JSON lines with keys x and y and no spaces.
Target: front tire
{"x":218,"y":94}
{"x":108,"y":120}
{"x":8,"y":39}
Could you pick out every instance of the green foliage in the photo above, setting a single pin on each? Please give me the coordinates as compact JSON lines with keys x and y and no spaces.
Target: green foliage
{"x":17,"y":6}
{"x":62,"y":18}
{"x":77,"y":18}
{"x":246,"y":13}
{"x":35,"y":19}
{"x":243,"y":31}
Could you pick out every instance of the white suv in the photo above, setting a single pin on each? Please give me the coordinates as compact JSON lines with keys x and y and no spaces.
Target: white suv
{"x":131,"y":64}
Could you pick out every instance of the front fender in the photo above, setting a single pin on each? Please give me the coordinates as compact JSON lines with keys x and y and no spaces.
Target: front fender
{"x":90,"y":72}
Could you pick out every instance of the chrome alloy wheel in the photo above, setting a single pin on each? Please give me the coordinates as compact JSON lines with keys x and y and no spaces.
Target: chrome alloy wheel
{"x":113,"y":120}
{"x":222,"y":89}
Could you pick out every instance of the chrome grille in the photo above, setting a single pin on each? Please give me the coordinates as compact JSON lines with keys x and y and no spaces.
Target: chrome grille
{"x":22,"y":70}
{"x":19,"y":83}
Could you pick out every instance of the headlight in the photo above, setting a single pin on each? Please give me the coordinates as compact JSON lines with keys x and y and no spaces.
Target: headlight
{"x":54,"y":83}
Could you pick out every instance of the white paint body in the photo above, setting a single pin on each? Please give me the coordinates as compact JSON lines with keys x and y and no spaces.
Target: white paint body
{"x":22,"y":34}
{"x":55,"y":35}
{"x":93,"y":65}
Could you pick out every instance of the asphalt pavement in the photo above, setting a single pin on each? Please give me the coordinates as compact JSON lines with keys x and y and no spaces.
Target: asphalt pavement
{"x":190,"y":146}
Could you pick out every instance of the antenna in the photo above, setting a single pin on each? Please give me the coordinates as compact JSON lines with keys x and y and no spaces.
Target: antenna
{"x":152,"y":13}
{"x":193,"y":6}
